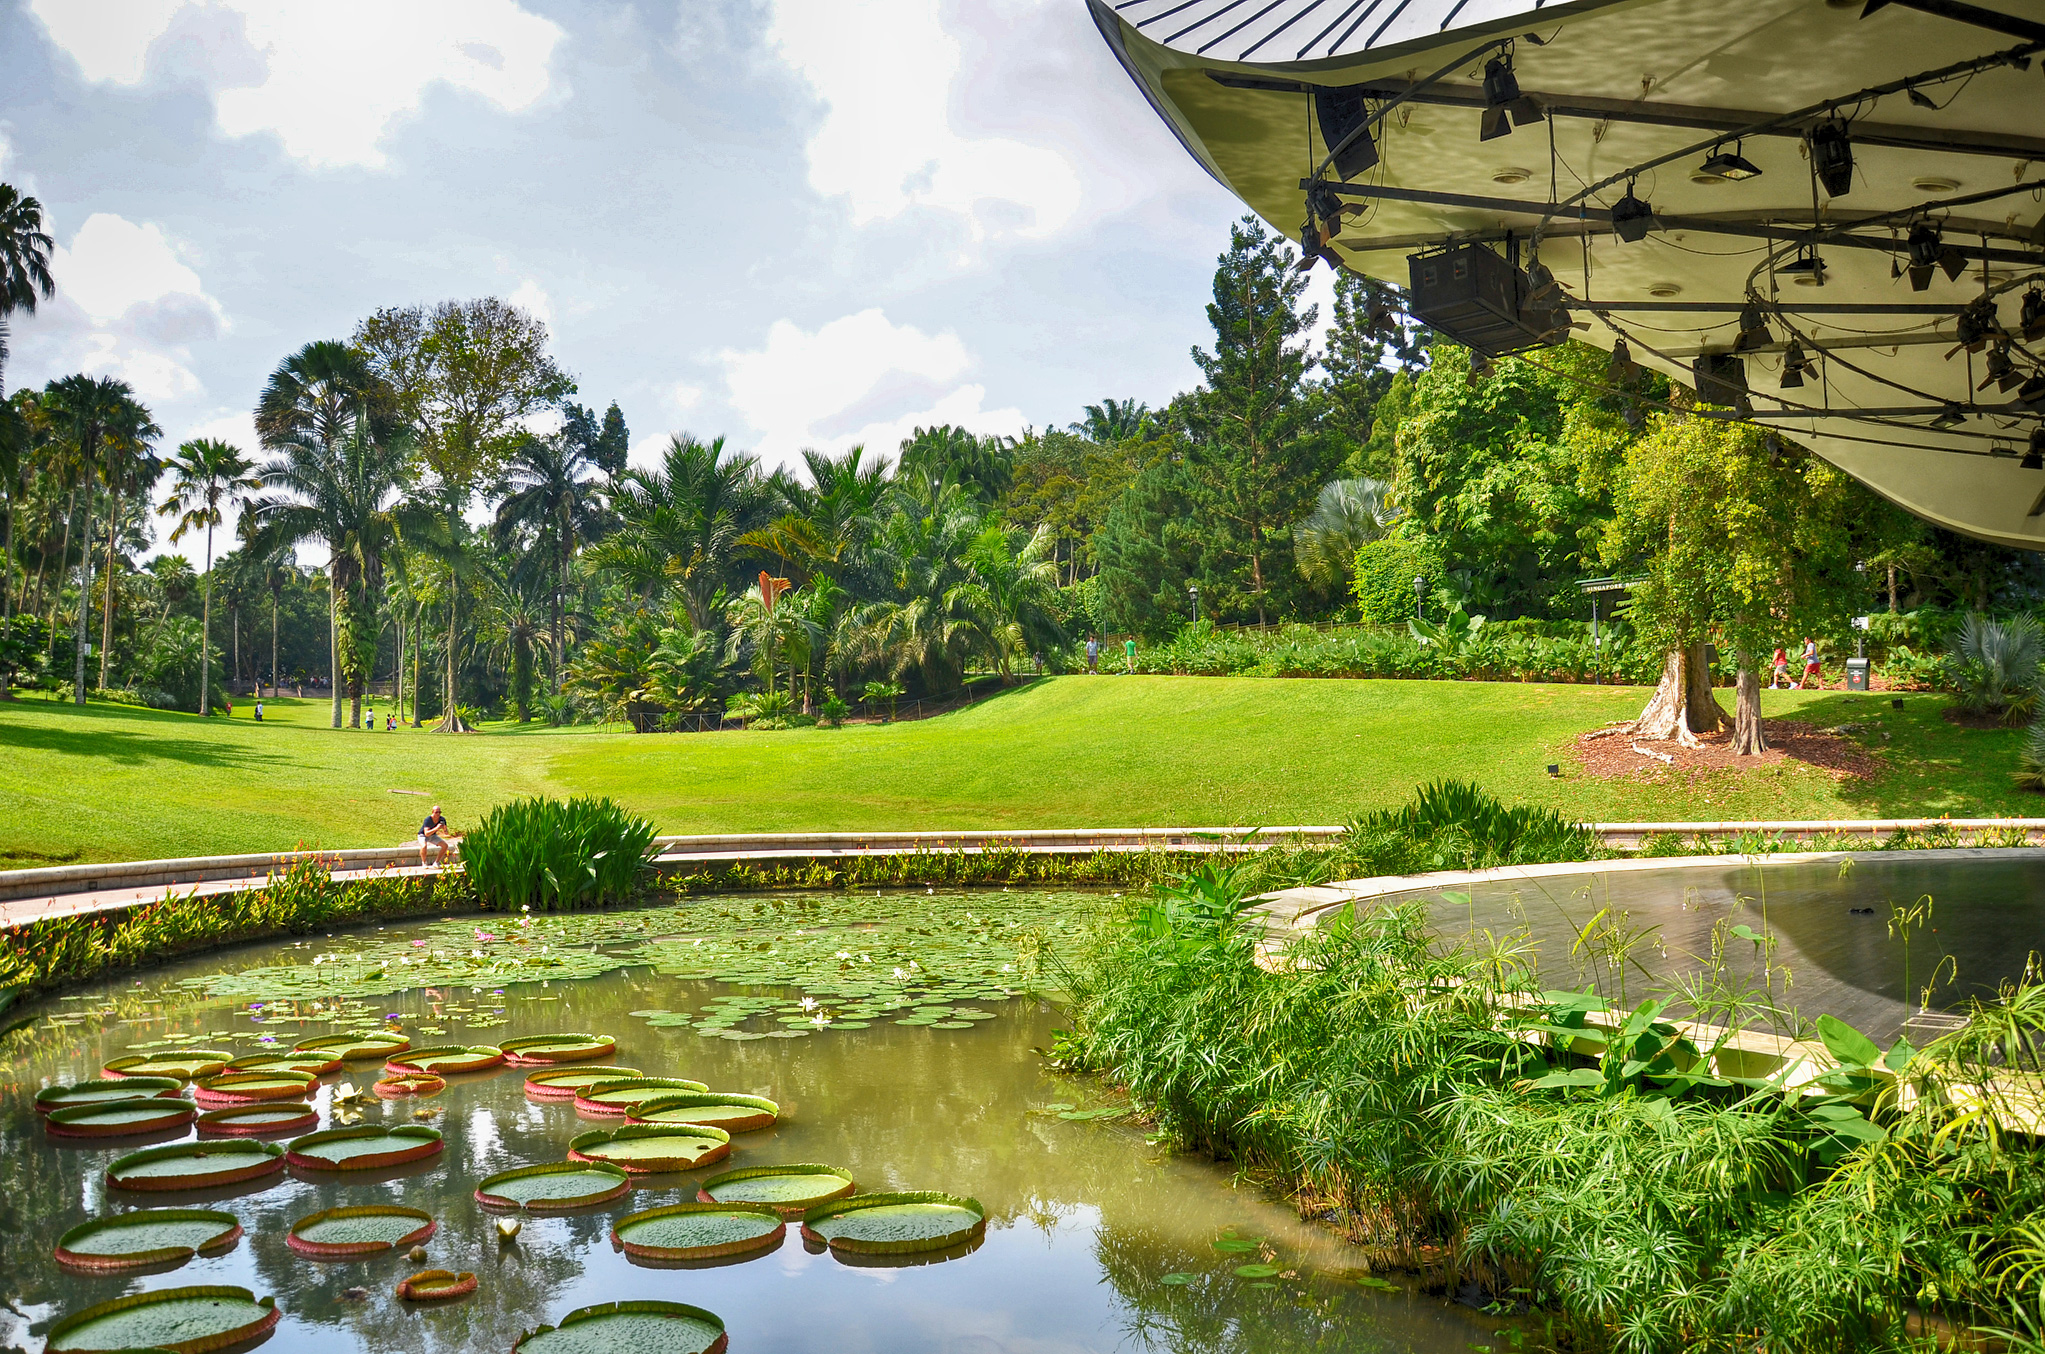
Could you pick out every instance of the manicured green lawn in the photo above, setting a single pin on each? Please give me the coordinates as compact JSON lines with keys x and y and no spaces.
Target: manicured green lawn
{"x":115,"y":783}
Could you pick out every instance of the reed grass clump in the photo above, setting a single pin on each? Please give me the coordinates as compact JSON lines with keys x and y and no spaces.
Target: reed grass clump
{"x":553,"y":854}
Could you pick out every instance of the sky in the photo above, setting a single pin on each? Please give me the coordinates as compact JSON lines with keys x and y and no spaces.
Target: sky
{"x":793,"y":223}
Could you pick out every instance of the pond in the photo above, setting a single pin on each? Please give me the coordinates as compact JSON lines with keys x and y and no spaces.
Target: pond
{"x":1867,"y":939}
{"x":1096,"y":1240}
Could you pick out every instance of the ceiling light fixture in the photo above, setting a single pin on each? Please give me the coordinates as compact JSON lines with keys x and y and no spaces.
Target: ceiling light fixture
{"x":1794,"y":365}
{"x":1632,"y":219}
{"x":1723,"y":164}
{"x":1504,"y":105}
{"x":2030,"y":396}
{"x":1622,"y":370}
{"x":1952,"y":416}
{"x":2034,"y":454}
{"x":1832,"y":157}
{"x":1806,"y":269}
{"x":2000,"y":368}
{"x":1753,"y":330}
{"x":2032,"y":321}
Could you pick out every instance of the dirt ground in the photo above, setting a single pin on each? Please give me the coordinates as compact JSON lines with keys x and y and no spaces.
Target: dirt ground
{"x":1612,"y":752}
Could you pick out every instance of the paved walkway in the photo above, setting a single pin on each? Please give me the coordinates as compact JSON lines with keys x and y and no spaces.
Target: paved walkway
{"x":19,"y":911}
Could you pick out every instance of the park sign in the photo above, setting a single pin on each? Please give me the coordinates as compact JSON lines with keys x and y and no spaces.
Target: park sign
{"x":1821,"y":216}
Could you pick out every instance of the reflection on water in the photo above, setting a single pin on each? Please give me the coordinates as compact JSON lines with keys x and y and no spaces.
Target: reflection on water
{"x":1085,"y":1220}
{"x":1843,"y":951}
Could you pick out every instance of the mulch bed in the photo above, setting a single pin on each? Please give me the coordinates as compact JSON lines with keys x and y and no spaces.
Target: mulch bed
{"x":1610,"y":752}
{"x":1971,"y":719}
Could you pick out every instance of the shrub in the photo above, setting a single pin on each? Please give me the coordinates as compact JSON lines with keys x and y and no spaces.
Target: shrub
{"x":1385,"y":570}
{"x":835,"y":711}
{"x":551,"y":853}
{"x":1995,"y":666}
{"x":1454,"y":825}
{"x":2030,"y":772}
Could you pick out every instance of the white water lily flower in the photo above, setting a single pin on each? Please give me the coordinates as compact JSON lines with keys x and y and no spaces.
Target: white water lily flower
{"x":808,"y":1003}
{"x":901,"y":972}
{"x":475,"y":954}
{"x":844,"y":954}
{"x":820,"y":1020}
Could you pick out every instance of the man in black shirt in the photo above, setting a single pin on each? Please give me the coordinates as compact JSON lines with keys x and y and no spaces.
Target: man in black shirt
{"x":433,"y":836}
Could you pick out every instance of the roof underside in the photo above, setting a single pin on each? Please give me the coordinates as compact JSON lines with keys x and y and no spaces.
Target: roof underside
{"x":1626,"y":83}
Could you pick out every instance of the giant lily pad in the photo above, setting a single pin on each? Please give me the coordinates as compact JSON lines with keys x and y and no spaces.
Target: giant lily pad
{"x":196,"y":1165}
{"x":410,"y":1083}
{"x":187,"y":1320}
{"x":447,"y":1059}
{"x":432,"y":1285}
{"x":558,"y":1185}
{"x":619,"y":1327}
{"x":618,"y":1097}
{"x":113,"y":1088}
{"x":248,"y":1088}
{"x":146,"y":1237}
{"x":363,"y":1149}
{"x":896,"y":1224}
{"x":698,"y":1231}
{"x":120,"y":1118}
{"x":559,"y":1048}
{"x":793,"y":1190}
{"x":316,"y":1063}
{"x":732,"y":1113}
{"x":344,"y":1233}
{"x":643,"y":1148}
{"x":264,"y":1117}
{"x":185,"y":1064}
{"x":352,"y":1047}
{"x":565,"y":1083}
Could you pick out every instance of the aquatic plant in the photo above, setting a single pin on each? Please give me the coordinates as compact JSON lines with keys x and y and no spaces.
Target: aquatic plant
{"x":201,"y":1317}
{"x":552,"y":854}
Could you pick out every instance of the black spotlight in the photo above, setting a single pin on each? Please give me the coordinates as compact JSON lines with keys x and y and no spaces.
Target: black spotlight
{"x":1976,"y":325}
{"x":1342,"y":111}
{"x":1999,"y":367}
{"x":1313,"y":244}
{"x":1730,"y":164}
{"x":2031,"y":396}
{"x":1832,"y":157}
{"x":1923,"y":246}
{"x":1542,"y":288}
{"x":2032,"y":321}
{"x":1632,"y":219}
{"x":1952,"y":416}
{"x":1622,"y":370}
{"x":1794,"y":365}
{"x":1773,"y":445}
{"x":1805,"y":264}
{"x":1753,"y":331}
{"x":1504,"y":105}
{"x":2034,"y":454}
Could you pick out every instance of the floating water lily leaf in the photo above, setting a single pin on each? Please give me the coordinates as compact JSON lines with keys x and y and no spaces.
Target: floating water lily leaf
{"x":617,"y":1327}
{"x":344,"y":1233}
{"x":1255,"y":1271}
{"x":559,"y":1048}
{"x":618,"y":1097}
{"x":793,"y":1189}
{"x":266,"y":1117}
{"x":316,"y":1064}
{"x":558,"y":1185}
{"x":185,"y":1065}
{"x":189,"y":1320}
{"x":119,"y":1118}
{"x":112,"y":1088}
{"x":1176,"y":1280}
{"x":367,"y":1148}
{"x":447,"y":1060}
{"x":1237,"y":1245}
{"x":362,"y":1044}
{"x":896,"y":1224}
{"x":1383,"y":1286}
{"x":565,"y":1083}
{"x":732,"y":1113}
{"x":430,"y":1285}
{"x":409,"y":1083}
{"x":148,"y":1237}
{"x":651,"y":1148}
{"x":698,"y":1231}
{"x":246,"y":1088}
{"x":196,"y":1165}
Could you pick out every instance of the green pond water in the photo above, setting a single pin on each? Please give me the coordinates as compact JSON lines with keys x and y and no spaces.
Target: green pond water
{"x":1096,"y":1240}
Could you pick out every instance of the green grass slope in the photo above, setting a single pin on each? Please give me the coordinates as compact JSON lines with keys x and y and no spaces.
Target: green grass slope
{"x":111,"y":783}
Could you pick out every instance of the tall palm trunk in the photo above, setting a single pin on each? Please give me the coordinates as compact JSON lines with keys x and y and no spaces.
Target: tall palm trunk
{"x":84,"y":605}
{"x":276,"y":689}
{"x":450,"y":717}
{"x":106,"y":613}
{"x":398,"y":666}
{"x":206,"y":632}
{"x":334,"y":642}
{"x":418,"y":623}
{"x":56,"y":598}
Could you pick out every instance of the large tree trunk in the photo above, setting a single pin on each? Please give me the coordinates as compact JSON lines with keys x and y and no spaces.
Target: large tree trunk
{"x":1682,"y":705}
{"x":1748,"y":738}
{"x":206,"y":633}
{"x":106,"y":614}
{"x":276,"y":684}
{"x":418,"y":626}
{"x":450,"y":717}
{"x":334,"y":646}
{"x":398,"y":667}
{"x":84,"y":600}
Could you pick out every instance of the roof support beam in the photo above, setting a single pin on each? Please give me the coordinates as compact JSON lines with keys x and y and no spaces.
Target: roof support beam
{"x":1993,"y":20}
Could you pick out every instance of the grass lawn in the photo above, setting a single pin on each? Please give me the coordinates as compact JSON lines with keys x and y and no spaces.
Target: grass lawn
{"x":112,"y":782}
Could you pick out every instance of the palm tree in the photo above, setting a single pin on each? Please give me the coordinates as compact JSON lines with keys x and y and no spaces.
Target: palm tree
{"x":438,"y":529}
{"x":549,"y":491}
{"x":517,"y":599}
{"x":91,"y":413}
{"x":1015,"y":592}
{"x":1113,"y":421}
{"x":24,"y":261}
{"x":1347,"y":515}
{"x":345,"y":495}
{"x":131,"y":470}
{"x":318,"y":391}
{"x":947,"y":454}
{"x":208,"y":473}
{"x":680,"y":524}
{"x":827,"y":520}
{"x":764,"y":621}
{"x":929,"y":626}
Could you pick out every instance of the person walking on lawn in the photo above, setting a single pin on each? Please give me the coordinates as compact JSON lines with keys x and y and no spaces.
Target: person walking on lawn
{"x":1812,"y":672}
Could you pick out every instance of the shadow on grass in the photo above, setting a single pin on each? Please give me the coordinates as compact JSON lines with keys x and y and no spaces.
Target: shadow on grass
{"x":98,"y":732}
{"x":1934,"y":767}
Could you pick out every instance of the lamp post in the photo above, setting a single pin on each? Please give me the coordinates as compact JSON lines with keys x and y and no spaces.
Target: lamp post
{"x":1193,"y":591}
{"x":1419,"y":596}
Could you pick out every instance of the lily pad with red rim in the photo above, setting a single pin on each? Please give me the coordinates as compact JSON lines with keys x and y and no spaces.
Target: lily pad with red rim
{"x":558,"y":1048}
{"x":371,"y":1229}
{"x":565,"y":1083}
{"x":147,"y":1237}
{"x":447,"y":1059}
{"x":195,"y":1165}
{"x":652,"y":1148}
{"x":670,"y":1327}
{"x":433,"y":1285}
{"x":896,"y":1224}
{"x":248,"y":1088}
{"x":732,"y":1113}
{"x":608,"y":1098}
{"x":184,"y":1064}
{"x":409,"y":1083}
{"x":191,"y":1320}
{"x":366,"y":1148}
{"x":553,"y":1187}
{"x":111,"y":1088}
{"x":698,"y":1231}
{"x":120,"y":1118}
{"x":794,"y":1190}
{"x":264,"y":1117}
{"x":353,"y":1047}
{"x":316,"y":1063}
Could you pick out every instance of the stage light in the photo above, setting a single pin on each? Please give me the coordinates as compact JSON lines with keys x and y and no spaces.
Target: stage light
{"x":1806,"y":269}
{"x":1504,"y":105}
{"x":1952,"y":416}
{"x":2034,"y":454}
{"x":1632,"y":219}
{"x":1832,"y":157}
{"x":1730,"y":164}
{"x":1976,"y":325}
{"x":1794,"y":365}
{"x":2000,"y":368}
{"x":1622,"y":370}
{"x":2032,"y":321}
{"x":2030,"y":396}
{"x":1753,"y":331}
{"x":1542,"y":288}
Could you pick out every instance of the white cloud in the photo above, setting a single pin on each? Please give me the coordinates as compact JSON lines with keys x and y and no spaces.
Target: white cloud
{"x":682,"y":396}
{"x":113,"y":264}
{"x":531,"y":297}
{"x":335,"y":76}
{"x":886,"y":70}
{"x":859,"y":378}
{"x":6,"y":151}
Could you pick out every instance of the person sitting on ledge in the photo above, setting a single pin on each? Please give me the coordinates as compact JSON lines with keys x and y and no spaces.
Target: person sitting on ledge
{"x":434,"y":837}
